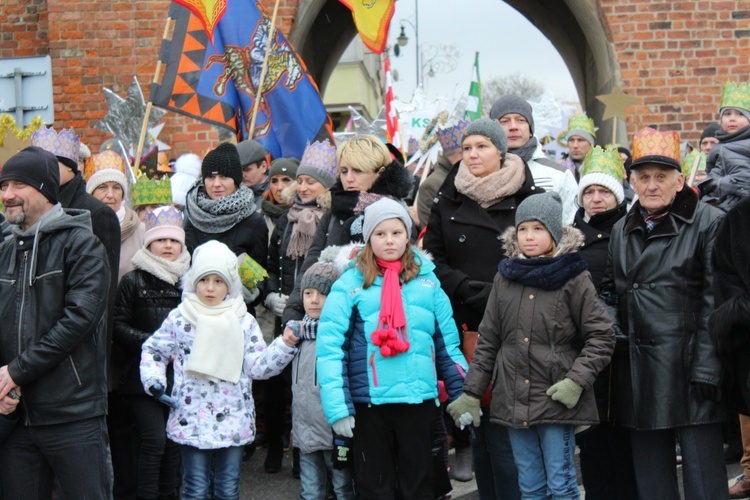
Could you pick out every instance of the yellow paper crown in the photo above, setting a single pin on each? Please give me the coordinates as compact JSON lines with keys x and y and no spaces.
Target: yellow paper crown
{"x":582,"y":122}
{"x":606,"y":161}
{"x":251,"y":273}
{"x":152,"y":192}
{"x":735,"y":95}
{"x":651,"y":142}
{"x":691,"y":160}
{"x":101,"y":161}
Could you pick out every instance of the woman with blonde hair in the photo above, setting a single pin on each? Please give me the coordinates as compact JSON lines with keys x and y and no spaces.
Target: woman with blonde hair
{"x":367,"y":172}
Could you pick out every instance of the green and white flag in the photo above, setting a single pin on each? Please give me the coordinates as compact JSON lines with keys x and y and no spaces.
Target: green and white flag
{"x":474,"y":101}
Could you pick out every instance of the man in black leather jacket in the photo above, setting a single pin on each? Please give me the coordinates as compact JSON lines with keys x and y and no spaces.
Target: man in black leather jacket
{"x":54,"y":282}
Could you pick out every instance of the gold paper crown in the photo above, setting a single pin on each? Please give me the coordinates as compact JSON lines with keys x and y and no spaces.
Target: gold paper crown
{"x":690,"y":161}
{"x":104,"y":160}
{"x":606,"y":161}
{"x":650,"y":142}
{"x":735,"y":95}
{"x":152,"y":192}
{"x":582,"y":122}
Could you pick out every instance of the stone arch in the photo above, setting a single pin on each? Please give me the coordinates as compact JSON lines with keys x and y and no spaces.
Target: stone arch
{"x":324,"y":29}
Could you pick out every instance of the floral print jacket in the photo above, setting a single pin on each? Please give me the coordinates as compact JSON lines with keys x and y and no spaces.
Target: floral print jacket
{"x":210,"y":415}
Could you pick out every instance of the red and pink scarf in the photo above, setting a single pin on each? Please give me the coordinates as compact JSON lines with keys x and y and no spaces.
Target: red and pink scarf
{"x":391,"y":335}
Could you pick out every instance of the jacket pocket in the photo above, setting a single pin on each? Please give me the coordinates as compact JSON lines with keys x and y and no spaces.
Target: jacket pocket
{"x":562,"y":362}
{"x":76,"y":374}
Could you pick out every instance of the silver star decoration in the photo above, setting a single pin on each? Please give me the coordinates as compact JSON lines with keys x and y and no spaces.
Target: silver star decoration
{"x":125,"y":116}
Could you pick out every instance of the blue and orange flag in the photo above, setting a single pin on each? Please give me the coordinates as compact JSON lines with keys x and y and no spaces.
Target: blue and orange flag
{"x":213,"y":67}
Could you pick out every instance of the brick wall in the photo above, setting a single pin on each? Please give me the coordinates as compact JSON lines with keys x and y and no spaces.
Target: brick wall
{"x":673,"y":55}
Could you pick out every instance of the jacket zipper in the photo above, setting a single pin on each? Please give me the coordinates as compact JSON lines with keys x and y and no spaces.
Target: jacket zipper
{"x":20,"y":323}
{"x":75,"y":371}
{"x":23,"y":300}
{"x":374,"y":372}
{"x":434,"y":369}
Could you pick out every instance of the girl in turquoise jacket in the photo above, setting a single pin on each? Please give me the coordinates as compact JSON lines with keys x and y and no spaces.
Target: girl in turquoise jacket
{"x":386,"y":336}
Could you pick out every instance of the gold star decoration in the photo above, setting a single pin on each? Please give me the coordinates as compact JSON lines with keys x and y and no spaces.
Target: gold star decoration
{"x":616,"y":104}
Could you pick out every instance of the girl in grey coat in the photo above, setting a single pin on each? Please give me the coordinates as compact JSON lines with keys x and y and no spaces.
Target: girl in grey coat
{"x":542,"y":302}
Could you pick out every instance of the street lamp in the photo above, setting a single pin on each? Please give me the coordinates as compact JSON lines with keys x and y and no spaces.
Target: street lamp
{"x":403,"y":39}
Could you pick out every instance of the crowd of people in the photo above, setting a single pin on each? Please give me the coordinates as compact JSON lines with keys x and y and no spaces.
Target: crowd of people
{"x":508,"y":306}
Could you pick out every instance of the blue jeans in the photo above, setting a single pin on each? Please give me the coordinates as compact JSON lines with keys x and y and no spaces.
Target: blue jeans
{"x":75,"y":453}
{"x":313,"y":474}
{"x":494,"y":467}
{"x":196,"y":464}
{"x":544,"y":458}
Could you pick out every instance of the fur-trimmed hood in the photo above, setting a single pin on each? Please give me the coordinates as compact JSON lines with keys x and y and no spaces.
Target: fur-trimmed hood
{"x":572,"y":239}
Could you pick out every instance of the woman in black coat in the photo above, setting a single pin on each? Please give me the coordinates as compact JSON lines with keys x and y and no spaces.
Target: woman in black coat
{"x":366,"y":172}
{"x":145,"y":297}
{"x":474,"y":206}
{"x":221,"y":208}
{"x":606,"y":456}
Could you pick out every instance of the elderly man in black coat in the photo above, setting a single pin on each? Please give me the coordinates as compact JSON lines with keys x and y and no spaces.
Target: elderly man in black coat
{"x":659,"y":286}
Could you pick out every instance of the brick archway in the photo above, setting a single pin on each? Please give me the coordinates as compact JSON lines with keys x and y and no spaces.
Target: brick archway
{"x":674,"y":56}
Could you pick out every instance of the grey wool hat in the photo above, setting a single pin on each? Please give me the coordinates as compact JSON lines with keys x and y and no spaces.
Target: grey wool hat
{"x":323,"y":273}
{"x":284,"y":166}
{"x":492,"y":130}
{"x":383,"y":209}
{"x":513,"y":104}
{"x":545,"y":208}
{"x":251,"y":151}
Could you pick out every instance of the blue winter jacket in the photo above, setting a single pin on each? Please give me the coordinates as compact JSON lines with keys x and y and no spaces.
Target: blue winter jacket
{"x":352,"y":370}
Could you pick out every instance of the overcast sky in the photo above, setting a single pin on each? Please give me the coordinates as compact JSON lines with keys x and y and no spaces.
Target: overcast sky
{"x":506,"y":41}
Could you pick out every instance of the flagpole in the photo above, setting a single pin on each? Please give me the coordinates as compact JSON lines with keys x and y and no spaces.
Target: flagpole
{"x":144,"y":126}
{"x":259,"y":92}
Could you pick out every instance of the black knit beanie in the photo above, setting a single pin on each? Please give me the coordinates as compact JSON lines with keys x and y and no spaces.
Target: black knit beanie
{"x":224,"y":160}
{"x":709,"y":131}
{"x":37,"y":168}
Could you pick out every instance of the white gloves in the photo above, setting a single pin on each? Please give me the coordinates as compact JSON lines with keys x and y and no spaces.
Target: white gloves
{"x":276,"y":302}
{"x":249,"y":296}
{"x":465,"y":419}
{"x":344,"y":426}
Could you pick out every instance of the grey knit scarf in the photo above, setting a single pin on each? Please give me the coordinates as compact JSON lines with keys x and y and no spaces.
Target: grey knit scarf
{"x":218,"y":216}
{"x":527,"y":150}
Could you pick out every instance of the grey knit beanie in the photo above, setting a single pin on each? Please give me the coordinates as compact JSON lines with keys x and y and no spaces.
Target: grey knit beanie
{"x":513,"y":104}
{"x":383,"y":209}
{"x":582,"y":133}
{"x":284,"y":166}
{"x":545,"y":208}
{"x":320,"y":276}
{"x":251,"y":151}
{"x":492,"y":130}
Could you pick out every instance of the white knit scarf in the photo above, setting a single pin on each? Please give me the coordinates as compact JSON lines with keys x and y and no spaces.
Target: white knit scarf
{"x":166,"y":270}
{"x":219,"y":346}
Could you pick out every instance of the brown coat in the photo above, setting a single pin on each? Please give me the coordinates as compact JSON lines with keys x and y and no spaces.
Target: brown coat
{"x":525,"y":346}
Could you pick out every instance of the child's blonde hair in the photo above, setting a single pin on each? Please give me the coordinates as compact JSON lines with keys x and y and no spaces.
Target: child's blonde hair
{"x":368,"y":266}
{"x":364,"y":152}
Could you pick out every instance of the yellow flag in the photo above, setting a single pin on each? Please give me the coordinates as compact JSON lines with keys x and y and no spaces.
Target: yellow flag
{"x":372,"y":19}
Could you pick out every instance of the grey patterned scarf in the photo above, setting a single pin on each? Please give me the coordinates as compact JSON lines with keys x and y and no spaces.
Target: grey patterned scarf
{"x":218,"y":216}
